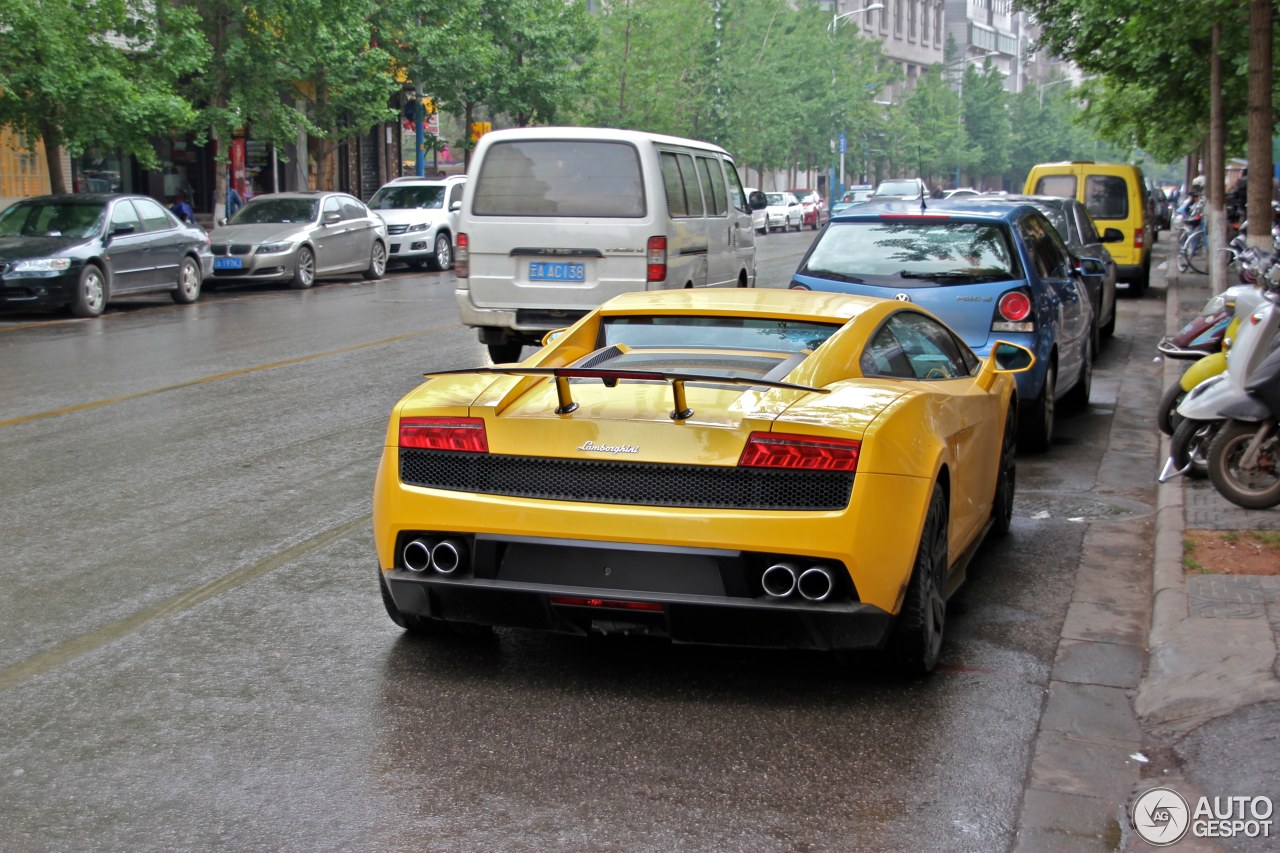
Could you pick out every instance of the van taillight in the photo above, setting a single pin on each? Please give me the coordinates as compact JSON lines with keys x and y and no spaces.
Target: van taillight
{"x":1139,"y":239}
{"x":462,"y":256}
{"x":657,"y":259}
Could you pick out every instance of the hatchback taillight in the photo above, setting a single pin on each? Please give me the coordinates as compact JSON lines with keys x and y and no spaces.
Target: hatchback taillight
{"x":804,"y":452}
{"x":656,"y":259}
{"x":462,"y":256}
{"x":463,"y":434}
{"x":1013,"y":313}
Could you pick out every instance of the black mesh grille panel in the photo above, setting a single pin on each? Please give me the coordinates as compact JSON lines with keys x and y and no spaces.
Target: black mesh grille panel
{"x":636,"y":483}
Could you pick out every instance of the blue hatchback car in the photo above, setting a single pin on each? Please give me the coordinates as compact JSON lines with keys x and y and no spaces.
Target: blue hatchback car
{"x":990,"y":274}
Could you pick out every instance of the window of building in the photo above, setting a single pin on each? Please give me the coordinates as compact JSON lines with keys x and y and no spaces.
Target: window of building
{"x":911,"y":20}
{"x":924,"y":25}
{"x":897,"y":17}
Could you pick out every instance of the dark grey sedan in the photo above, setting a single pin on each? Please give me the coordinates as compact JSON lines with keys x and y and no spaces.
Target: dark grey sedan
{"x":82,"y":250}
{"x":298,"y":237}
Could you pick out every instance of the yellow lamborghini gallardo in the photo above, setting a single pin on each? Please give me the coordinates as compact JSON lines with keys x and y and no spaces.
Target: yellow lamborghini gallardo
{"x":757,"y":467}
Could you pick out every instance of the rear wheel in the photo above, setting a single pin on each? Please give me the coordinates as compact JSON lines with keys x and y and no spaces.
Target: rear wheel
{"x":1190,"y":444}
{"x":1077,"y":399}
{"x":1196,"y":255}
{"x":505,"y":352}
{"x":188,"y":283}
{"x":91,"y":293}
{"x":918,"y":631}
{"x":377,"y":261}
{"x":1255,"y":486}
{"x":1036,"y":425}
{"x":1006,"y":479}
{"x":1167,"y":417}
{"x":414,"y":624}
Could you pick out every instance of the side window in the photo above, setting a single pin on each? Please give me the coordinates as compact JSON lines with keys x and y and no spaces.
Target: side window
{"x":1088,"y":233}
{"x":1057,"y":256}
{"x":1106,"y":196}
{"x":737,"y":197}
{"x":884,"y":356}
{"x":930,"y":348}
{"x":124,"y":214}
{"x":1059,"y":185}
{"x":455,"y":194}
{"x":352,"y":209}
{"x":713,"y":186}
{"x":693,"y":194}
{"x":331,"y":205}
{"x":674,"y":185}
{"x":154,"y":217}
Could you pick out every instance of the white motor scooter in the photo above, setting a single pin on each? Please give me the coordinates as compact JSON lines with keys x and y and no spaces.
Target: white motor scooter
{"x":1205,"y":408}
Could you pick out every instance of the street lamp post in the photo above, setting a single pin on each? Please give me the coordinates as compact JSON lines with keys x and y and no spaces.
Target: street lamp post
{"x":1040,"y":89}
{"x":836,"y":18}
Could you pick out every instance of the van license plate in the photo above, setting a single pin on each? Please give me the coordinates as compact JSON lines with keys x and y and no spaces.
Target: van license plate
{"x":547,"y":271}
{"x":227,"y":263}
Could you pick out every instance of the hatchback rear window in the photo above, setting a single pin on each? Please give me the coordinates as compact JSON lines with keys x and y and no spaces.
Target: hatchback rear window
{"x":562,"y":177}
{"x":1106,"y":197}
{"x":925,"y":253}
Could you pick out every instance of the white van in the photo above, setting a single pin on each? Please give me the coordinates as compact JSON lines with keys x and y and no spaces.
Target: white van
{"x":556,"y":220}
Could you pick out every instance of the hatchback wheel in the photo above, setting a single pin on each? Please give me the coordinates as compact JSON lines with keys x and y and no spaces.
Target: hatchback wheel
{"x":1036,"y":426}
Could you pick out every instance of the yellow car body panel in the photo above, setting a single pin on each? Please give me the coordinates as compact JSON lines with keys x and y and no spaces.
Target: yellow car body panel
{"x":913,"y":435}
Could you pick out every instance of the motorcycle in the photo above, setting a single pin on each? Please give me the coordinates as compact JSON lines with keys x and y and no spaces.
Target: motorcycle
{"x":1203,"y":410}
{"x":1244,"y":456}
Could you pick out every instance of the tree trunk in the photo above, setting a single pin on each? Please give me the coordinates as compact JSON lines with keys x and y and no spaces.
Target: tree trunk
{"x":53,"y":156}
{"x":1216,"y":191}
{"x":1260,"y":162}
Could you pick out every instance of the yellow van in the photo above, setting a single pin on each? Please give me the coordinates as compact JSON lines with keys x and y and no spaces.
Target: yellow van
{"x":1115,"y":195}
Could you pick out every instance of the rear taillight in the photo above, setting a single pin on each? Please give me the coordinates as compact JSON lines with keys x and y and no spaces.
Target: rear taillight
{"x":464,"y":434}
{"x":1013,"y":313}
{"x":1139,"y":239}
{"x":656,"y":260}
{"x":803,"y":452}
{"x":462,"y":256}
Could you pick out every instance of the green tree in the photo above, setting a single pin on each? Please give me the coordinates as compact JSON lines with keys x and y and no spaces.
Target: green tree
{"x":986,"y":124}
{"x":926,"y":136}
{"x":95,"y":74}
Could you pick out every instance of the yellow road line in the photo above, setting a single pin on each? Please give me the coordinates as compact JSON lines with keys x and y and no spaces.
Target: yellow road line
{"x":110,"y":401}
{"x":69,"y":650}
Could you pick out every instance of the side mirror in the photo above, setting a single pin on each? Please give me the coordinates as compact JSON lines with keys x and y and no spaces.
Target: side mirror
{"x":455,"y":207}
{"x":222,"y":221}
{"x":757,"y":200}
{"x":331,"y":217}
{"x":1093,"y":266}
{"x":1113,"y":235}
{"x":1011,"y":358}
{"x":118,"y":230}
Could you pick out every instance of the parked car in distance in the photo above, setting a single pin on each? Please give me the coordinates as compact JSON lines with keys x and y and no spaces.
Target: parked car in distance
{"x":960,"y":192}
{"x":1074,"y":225}
{"x":422,"y":217}
{"x":900,"y":188}
{"x":1161,"y":209}
{"x":814,"y":207}
{"x":759,"y":218}
{"x":298,"y":237}
{"x":990,"y":272}
{"x":784,"y":211}
{"x":750,"y":467}
{"x":855,"y":195}
{"x":82,"y":250}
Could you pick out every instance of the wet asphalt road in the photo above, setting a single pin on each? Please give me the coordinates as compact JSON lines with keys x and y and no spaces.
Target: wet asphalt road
{"x":193,"y":652}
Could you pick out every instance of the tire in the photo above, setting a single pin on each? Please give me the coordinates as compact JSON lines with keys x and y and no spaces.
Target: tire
{"x":1254,"y":488}
{"x":1196,"y":255}
{"x":188,"y":282}
{"x":304,"y":269}
{"x":1006,"y":478}
{"x":1167,"y":417}
{"x":1036,"y":426}
{"x":442,"y":258}
{"x":918,"y":631}
{"x":377,"y":262}
{"x":1190,"y":444}
{"x":1138,"y":286}
{"x":1077,"y":399}
{"x":1108,"y":328}
{"x":420,"y":625}
{"x":90,"y":298}
{"x":505,"y":352}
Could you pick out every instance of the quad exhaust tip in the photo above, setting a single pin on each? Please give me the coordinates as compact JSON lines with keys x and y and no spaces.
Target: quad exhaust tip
{"x":781,"y":580}
{"x":447,"y":556}
{"x":816,"y":583}
{"x":417,"y":555}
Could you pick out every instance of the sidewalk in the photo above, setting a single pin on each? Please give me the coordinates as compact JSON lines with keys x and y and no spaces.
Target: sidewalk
{"x":1162,"y":678}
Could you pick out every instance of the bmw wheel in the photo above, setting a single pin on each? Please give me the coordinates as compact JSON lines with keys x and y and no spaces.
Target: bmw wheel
{"x":91,"y":293}
{"x":304,"y":270}
{"x":377,"y":261}
{"x":188,"y":283}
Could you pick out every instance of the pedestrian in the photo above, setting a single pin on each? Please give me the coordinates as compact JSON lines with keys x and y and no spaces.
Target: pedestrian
{"x":234,"y":202}
{"x":181,"y":209}
{"x":938,"y":191}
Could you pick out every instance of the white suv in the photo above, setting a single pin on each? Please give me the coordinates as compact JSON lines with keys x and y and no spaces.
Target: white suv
{"x":422,"y":218}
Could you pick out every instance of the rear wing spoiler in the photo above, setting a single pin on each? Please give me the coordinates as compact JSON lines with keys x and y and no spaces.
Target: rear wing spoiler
{"x":610,"y":378}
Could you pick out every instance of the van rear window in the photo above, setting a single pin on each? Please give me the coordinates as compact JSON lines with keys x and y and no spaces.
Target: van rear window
{"x":1106,"y":197}
{"x":1063,"y":186}
{"x":560,"y":178}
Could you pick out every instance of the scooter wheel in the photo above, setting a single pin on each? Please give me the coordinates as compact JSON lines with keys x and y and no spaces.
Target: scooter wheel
{"x":1190,"y":445}
{"x":1255,"y":487}
{"x":1167,"y":417}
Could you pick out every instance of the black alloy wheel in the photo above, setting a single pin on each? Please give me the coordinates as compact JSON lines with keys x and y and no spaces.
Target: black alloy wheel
{"x":919,"y":629}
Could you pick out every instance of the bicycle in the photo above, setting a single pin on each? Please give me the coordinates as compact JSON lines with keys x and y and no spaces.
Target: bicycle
{"x":1192,"y":253}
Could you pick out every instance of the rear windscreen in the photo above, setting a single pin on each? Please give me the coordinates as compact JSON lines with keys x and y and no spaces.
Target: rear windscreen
{"x":1063,"y":186}
{"x":560,"y":177}
{"x":1106,"y":197}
